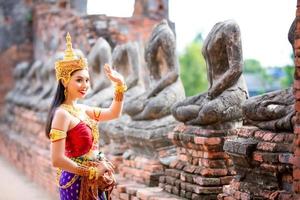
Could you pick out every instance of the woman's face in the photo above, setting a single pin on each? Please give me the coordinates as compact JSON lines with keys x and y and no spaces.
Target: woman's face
{"x":78,"y":84}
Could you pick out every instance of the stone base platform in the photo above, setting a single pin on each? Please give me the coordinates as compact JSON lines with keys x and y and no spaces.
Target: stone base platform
{"x":131,"y":190}
{"x":201,"y":168}
{"x":263,"y":163}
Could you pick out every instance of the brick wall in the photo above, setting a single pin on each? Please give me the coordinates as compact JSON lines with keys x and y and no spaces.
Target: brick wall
{"x":296,"y":169}
{"x":22,"y":138}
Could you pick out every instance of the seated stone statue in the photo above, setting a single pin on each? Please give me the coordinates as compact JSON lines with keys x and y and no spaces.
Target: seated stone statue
{"x":98,"y":56}
{"x":32,"y":85}
{"x":19,"y":73}
{"x":220,"y":106}
{"x":275,"y":110}
{"x":165,"y":87}
{"x":126,"y":60}
{"x":44,"y":99}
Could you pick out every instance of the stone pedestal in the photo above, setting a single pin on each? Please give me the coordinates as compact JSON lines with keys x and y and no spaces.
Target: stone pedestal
{"x":202,"y":168}
{"x":113,"y":134}
{"x":150,"y":150}
{"x":263,"y":162}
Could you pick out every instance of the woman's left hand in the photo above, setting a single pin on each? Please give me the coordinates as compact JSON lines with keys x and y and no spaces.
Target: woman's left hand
{"x":113,"y":75}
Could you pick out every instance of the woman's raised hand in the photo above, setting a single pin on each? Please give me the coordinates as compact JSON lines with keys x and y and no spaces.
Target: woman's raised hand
{"x":113,"y":75}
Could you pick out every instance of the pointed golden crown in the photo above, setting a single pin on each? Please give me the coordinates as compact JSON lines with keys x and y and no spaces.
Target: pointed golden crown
{"x":70,"y":63}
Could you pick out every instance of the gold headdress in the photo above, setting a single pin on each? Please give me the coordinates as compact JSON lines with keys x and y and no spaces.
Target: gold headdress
{"x":70,"y":63}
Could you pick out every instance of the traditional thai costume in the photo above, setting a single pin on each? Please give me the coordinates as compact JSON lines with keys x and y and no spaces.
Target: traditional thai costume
{"x":81,"y":146}
{"x":81,"y":143}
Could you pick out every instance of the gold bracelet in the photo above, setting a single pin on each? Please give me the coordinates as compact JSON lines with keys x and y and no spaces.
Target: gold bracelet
{"x":92,"y":173}
{"x":119,"y":92}
{"x":82,"y":171}
{"x":120,"y":88}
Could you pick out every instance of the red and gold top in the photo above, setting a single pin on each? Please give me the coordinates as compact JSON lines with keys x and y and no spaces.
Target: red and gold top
{"x":79,"y":140}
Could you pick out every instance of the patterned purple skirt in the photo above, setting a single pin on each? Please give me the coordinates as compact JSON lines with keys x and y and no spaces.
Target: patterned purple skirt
{"x":70,"y":187}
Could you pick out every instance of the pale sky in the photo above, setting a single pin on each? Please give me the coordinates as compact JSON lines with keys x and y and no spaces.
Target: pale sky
{"x":264,"y":24}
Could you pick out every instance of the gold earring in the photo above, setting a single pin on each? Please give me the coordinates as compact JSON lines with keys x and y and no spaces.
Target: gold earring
{"x":65,"y":92}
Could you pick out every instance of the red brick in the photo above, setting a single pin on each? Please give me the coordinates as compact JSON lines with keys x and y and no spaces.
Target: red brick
{"x":297,"y":44}
{"x":297,"y":151}
{"x":297,"y":92}
{"x":297,"y":129}
{"x":246,"y":132}
{"x":296,"y":186}
{"x":297,"y":73}
{"x":257,"y":156}
{"x":154,"y":168}
{"x":297,"y":105}
{"x":296,"y":174}
{"x":215,"y":155}
{"x":266,"y":146}
{"x":229,"y":198}
{"x":124,"y":196}
{"x":209,"y":172}
{"x":212,"y":163}
{"x":297,"y":84}
{"x":171,"y":135}
{"x":296,"y":161}
{"x":208,"y":141}
{"x":278,"y":138}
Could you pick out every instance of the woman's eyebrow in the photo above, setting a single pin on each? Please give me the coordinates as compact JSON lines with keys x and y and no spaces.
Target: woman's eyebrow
{"x":82,"y":77}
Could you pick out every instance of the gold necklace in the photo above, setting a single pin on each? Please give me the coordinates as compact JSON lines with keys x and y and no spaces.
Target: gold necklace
{"x":77,"y":112}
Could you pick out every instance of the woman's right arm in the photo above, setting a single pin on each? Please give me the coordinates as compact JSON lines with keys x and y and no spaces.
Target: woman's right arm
{"x":61,"y":122}
{"x":59,"y":128}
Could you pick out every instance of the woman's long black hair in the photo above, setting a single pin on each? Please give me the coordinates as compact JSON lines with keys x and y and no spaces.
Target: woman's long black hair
{"x":57,"y":101}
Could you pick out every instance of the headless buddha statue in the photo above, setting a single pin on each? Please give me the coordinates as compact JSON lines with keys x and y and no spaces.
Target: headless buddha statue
{"x":98,"y":56}
{"x":126,"y":60}
{"x":219,"y":107}
{"x":165,"y":87}
{"x":274,"y":110}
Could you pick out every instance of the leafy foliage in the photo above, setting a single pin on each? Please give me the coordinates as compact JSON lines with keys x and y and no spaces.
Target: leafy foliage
{"x":288,"y":79}
{"x":193,"y":69}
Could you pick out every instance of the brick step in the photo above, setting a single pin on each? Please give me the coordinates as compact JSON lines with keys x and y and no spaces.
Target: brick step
{"x":131,"y":190}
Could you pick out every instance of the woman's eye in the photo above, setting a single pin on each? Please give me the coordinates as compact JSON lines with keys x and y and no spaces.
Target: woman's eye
{"x":78,"y":80}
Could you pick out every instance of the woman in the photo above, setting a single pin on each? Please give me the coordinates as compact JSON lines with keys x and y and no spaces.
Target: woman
{"x":72,"y":129}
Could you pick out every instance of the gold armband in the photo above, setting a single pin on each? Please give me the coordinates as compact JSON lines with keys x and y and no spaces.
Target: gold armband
{"x":119,"y":92}
{"x":56,"y":134}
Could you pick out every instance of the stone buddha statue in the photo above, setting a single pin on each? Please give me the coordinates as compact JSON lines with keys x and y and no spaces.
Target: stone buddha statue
{"x":274,"y":110}
{"x":165,"y":87}
{"x":31,"y":86}
{"x":44,"y":100}
{"x":126,"y":60}
{"x":219,"y":107}
{"x":98,"y":56}
{"x":19,"y":73}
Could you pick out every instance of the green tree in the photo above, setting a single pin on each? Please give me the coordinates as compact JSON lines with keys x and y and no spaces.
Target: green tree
{"x":289,"y":71}
{"x":193,"y":69}
{"x":252,"y":66}
{"x":288,"y":80}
